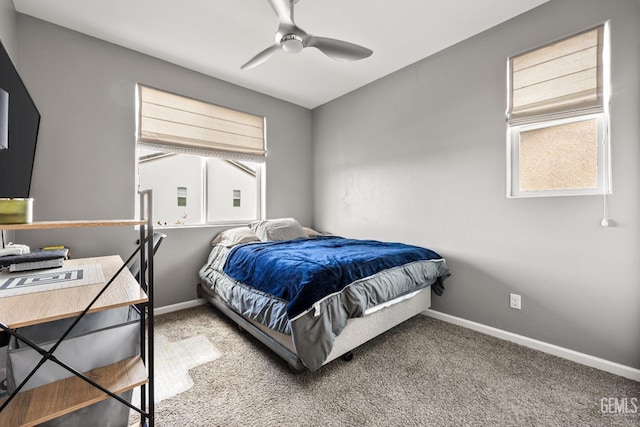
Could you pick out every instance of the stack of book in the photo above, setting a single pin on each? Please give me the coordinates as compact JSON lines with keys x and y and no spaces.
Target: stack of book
{"x":35,"y":260}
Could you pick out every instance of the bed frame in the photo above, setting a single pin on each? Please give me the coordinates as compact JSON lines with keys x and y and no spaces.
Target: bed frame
{"x":376,"y":321}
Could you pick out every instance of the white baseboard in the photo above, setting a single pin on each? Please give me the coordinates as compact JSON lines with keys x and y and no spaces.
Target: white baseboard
{"x":179,"y":306}
{"x":565,"y":353}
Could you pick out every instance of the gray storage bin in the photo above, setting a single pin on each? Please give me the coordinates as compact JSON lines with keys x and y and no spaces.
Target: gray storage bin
{"x":99,"y":339}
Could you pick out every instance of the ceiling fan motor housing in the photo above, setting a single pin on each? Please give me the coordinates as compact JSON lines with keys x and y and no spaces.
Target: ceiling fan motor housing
{"x":291,"y":43}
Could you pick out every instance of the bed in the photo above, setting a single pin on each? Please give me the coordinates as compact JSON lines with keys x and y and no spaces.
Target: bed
{"x":311,"y":297}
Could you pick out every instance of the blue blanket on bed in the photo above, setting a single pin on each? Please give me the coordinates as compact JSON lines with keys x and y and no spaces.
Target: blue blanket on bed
{"x":304,"y":271}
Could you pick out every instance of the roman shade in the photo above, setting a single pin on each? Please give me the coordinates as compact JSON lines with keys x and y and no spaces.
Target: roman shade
{"x":173,"y":123}
{"x":558,"y":80}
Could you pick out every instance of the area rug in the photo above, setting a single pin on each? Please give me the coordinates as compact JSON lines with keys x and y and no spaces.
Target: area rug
{"x":20,"y":283}
{"x":173,"y":361}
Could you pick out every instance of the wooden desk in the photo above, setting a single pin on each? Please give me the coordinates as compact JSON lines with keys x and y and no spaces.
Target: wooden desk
{"x":39,"y":307}
{"x":34,"y":406}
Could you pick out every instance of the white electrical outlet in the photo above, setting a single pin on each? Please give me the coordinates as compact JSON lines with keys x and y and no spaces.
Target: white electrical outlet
{"x":515,"y":301}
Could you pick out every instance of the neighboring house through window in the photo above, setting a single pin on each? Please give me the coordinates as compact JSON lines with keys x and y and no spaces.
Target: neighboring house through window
{"x":202,"y":161}
{"x":558,"y":118}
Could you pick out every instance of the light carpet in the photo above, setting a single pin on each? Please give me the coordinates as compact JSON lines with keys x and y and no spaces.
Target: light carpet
{"x":422,"y":373}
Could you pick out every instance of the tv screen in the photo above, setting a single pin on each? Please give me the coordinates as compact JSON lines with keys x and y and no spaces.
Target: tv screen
{"x":16,"y":162}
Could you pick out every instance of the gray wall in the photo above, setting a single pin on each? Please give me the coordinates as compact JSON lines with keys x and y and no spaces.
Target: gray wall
{"x":8,"y":30}
{"x":419,"y":156}
{"x":84,"y":166}
{"x":8,"y":36}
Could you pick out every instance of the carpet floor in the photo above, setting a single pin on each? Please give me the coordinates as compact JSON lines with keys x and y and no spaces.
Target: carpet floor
{"x":422,"y":373}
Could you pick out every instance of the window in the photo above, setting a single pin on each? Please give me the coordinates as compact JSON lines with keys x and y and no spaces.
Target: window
{"x":203,"y":161}
{"x":558,"y":118}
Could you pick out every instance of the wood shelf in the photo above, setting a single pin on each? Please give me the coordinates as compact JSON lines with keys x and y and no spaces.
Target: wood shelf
{"x":40,"y":404}
{"x":40,"y":225}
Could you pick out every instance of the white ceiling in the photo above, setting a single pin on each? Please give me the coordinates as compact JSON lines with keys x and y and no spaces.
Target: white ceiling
{"x":216,"y":37}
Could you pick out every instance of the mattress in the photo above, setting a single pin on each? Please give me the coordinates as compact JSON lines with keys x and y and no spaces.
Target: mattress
{"x":314,"y":325}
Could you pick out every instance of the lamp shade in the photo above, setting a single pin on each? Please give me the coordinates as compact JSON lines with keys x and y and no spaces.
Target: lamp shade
{"x":4,"y":119}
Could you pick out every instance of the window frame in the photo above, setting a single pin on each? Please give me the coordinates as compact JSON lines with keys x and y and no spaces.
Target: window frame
{"x":603,"y":158}
{"x":513,"y":131}
{"x":204,"y":197}
{"x":260,"y":197}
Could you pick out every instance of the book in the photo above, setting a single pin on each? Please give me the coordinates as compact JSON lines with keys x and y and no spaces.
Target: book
{"x":34,"y":257}
{"x":36,"y":265}
{"x":57,"y":247}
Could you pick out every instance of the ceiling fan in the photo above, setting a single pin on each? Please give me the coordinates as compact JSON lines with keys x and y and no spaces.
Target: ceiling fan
{"x":293,"y":39}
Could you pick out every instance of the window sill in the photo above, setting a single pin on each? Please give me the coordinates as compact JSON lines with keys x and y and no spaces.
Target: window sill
{"x":208,"y":226}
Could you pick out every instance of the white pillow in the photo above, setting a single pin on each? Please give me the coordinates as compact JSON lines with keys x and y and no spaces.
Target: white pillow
{"x":311,"y":232}
{"x":235,"y":236}
{"x":278,"y":229}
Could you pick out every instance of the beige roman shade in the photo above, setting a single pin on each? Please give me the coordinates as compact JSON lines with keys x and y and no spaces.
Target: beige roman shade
{"x":559,"y":80}
{"x":174,"y":123}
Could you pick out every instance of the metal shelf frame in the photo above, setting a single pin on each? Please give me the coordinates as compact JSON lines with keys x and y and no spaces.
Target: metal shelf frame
{"x":145,"y":279}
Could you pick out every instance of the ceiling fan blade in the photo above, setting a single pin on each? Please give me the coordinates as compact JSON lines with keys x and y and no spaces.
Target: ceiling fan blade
{"x":338,"y":49}
{"x":283,"y":10}
{"x":261,"y":57}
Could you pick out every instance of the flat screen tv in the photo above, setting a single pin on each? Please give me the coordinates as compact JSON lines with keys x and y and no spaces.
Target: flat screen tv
{"x":16,"y":162}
